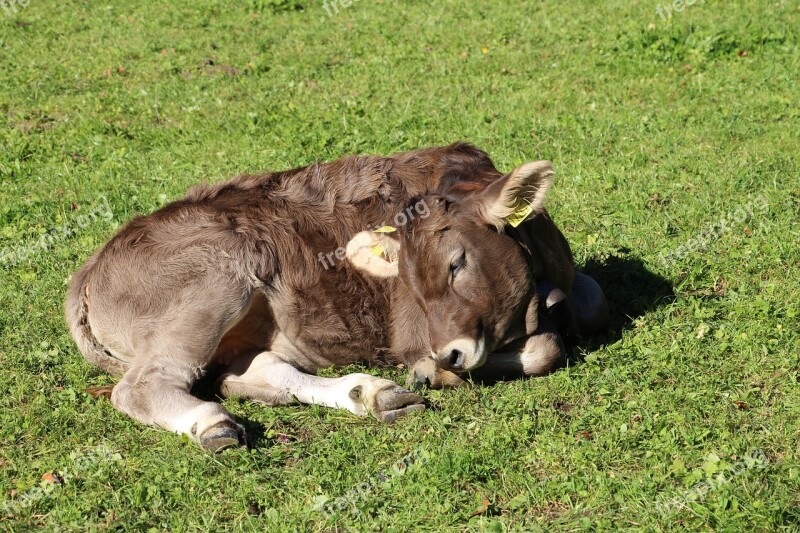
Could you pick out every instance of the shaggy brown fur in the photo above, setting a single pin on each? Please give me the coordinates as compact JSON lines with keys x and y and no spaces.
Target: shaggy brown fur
{"x":233,"y":270}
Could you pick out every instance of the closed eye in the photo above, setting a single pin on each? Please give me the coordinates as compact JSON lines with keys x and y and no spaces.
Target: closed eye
{"x":457,"y":265}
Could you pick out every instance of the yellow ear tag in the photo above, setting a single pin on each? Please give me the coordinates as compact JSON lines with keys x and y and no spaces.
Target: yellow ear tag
{"x":377,"y":250}
{"x":385,"y":229}
{"x":521,"y":212}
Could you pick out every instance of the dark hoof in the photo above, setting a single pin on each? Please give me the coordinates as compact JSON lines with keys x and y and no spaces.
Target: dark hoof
{"x":395,"y":397}
{"x":395,"y":402}
{"x":425,"y":373}
{"x":418,"y":380}
{"x":390,"y":416}
{"x":555,"y":297}
{"x":555,"y":305}
{"x":221,"y":436}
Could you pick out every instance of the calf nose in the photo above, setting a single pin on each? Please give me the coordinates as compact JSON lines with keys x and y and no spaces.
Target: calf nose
{"x":455,"y":355}
{"x":455,"y":360}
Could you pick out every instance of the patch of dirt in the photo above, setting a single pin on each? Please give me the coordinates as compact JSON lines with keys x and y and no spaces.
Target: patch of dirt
{"x":34,"y":121}
{"x":103,"y":391}
{"x":209,"y":67}
{"x":549,"y":510}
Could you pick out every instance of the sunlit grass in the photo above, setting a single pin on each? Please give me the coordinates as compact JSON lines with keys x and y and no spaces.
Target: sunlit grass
{"x":657,"y":130}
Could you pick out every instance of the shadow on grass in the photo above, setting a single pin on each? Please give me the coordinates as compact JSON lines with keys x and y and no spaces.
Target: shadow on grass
{"x":631,"y":290}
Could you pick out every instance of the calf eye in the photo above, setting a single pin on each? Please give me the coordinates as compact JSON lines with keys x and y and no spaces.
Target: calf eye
{"x":457,"y":265}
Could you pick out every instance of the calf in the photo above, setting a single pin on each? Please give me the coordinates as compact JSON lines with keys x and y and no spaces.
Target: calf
{"x":270,"y":277}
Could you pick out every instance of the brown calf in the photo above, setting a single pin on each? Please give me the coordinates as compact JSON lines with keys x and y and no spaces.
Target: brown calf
{"x":273,"y":276}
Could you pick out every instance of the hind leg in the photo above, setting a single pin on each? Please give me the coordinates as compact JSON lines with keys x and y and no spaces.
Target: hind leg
{"x":158,"y":395}
{"x":171,"y":352}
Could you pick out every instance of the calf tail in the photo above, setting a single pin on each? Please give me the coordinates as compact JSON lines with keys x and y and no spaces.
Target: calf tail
{"x":77,"y":315}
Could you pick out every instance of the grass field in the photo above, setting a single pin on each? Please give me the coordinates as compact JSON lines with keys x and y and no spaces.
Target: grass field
{"x":666,"y":132}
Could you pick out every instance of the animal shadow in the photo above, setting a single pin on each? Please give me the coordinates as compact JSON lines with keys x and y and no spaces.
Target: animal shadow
{"x":632,"y":290}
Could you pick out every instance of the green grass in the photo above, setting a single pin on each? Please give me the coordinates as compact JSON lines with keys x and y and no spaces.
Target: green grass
{"x":656,"y":132}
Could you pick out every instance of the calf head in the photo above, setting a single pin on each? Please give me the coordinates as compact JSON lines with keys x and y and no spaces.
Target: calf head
{"x":471,"y":279}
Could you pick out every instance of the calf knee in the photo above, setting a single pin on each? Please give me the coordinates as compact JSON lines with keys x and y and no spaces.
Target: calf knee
{"x":164,"y":403}
{"x":120,"y":399}
{"x":544,"y":353}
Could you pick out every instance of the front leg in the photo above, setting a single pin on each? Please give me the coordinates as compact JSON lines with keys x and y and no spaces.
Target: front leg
{"x":536,"y":355}
{"x":268,"y":378}
{"x":425,"y":373}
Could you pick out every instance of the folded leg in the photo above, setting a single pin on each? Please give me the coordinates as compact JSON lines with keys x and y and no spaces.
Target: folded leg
{"x":158,"y":395}
{"x":537,"y":355}
{"x":267,"y":378}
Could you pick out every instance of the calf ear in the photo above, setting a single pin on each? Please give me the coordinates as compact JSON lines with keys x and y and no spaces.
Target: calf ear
{"x":374,"y":253}
{"x":517,"y":196}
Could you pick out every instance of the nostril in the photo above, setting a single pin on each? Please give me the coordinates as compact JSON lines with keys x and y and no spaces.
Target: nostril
{"x":456,"y":359}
